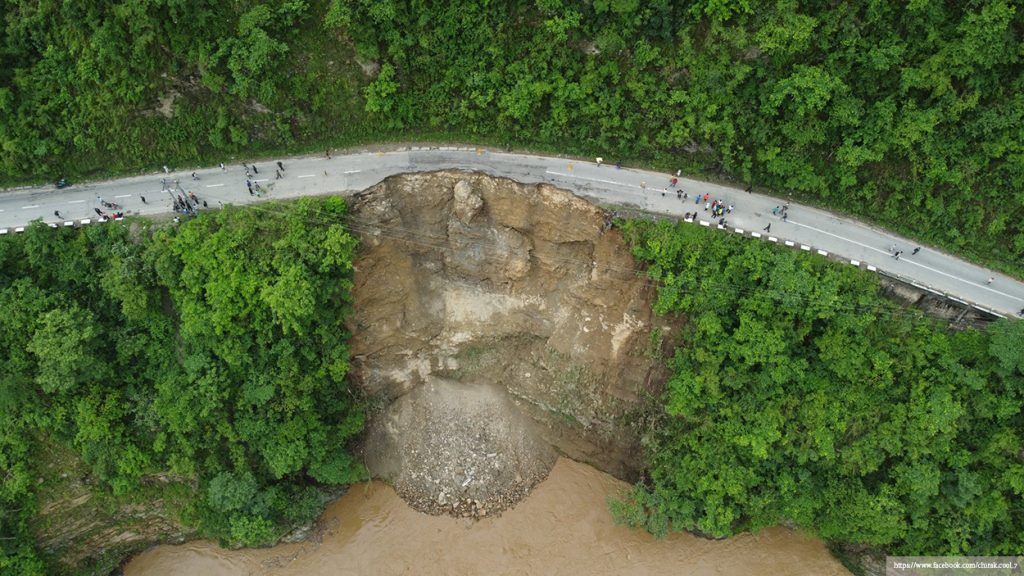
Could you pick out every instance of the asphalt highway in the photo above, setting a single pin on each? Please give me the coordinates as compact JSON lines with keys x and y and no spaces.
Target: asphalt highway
{"x":805,"y":228}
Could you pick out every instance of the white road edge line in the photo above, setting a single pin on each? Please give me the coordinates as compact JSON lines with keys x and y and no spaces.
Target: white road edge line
{"x":123,"y":196}
{"x":30,"y":207}
{"x":306,"y":175}
{"x":76,"y":202}
{"x":352,"y":171}
{"x":214,"y":185}
{"x":929,"y":268}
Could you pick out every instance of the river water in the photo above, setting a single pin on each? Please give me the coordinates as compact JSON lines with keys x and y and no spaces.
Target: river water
{"x":563,"y":527}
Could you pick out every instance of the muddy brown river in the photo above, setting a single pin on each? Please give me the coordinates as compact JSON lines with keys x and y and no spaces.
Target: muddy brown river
{"x":564,"y":527}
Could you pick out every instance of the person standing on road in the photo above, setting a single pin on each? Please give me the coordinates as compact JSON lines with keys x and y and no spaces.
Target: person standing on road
{"x":916,"y":250}
{"x":166,"y":169}
{"x":255,"y":170}
{"x":222,"y":168}
{"x":143,"y":198}
{"x":57,"y":214}
{"x":991,"y":279}
{"x":768,"y":228}
{"x":280,"y":166}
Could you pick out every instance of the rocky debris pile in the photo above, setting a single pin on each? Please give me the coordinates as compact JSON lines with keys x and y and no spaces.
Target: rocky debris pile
{"x":459,"y":449}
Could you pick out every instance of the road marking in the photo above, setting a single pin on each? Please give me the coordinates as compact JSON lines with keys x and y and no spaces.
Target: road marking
{"x":908,"y":261}
{"x":352,"y":171}
{"x":306,"y":175}
{"x":123,"y":196}
{"x":30,"y":207}
{"x":214,"y":185}
{"x":76,"y":202}
{"x":260,"y":180}
{"x":592,"y":179}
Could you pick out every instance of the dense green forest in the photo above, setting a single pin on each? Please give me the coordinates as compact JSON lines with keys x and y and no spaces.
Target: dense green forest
{"x":908,"y":113}
{"x":801,"y":395}
{"x":213,"y":351}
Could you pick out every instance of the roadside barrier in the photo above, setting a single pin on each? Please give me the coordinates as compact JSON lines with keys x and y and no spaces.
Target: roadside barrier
{"x":856,"y":264}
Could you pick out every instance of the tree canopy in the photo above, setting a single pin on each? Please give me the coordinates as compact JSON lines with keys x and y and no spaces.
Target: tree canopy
{"x":909,"y":114}
{"x":802,"y":395}
{"x":213,"y":350}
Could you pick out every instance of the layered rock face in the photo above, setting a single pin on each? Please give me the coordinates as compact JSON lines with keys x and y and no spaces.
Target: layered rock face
{"x":474,"y":283}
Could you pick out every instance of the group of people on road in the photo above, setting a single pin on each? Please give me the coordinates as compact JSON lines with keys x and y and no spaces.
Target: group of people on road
{"x":253,"y":185}
{"x":188,"y":203}
{"x":782,"y":211}
{"x":896,"y":253}
{"x":716,"y":207}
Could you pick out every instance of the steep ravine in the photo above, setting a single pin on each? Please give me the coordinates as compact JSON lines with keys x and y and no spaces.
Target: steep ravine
{"x":497,"y":324}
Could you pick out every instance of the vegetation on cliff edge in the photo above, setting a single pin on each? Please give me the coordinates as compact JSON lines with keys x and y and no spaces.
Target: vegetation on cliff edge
{"x":213,"y":350}
{"x":802,"y":395}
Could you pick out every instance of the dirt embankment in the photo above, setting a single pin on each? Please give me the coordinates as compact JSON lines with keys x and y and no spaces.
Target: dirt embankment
{"x":496,"y":324}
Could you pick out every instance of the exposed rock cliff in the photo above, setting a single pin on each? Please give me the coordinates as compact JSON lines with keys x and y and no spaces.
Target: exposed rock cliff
{"x":470,"y":281}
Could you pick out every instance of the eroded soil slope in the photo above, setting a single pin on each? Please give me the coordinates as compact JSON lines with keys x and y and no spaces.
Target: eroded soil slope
{"x":472,"y":283}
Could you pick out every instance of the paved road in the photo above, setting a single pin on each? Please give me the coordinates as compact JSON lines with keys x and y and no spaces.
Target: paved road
{"x":806,"y":228}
